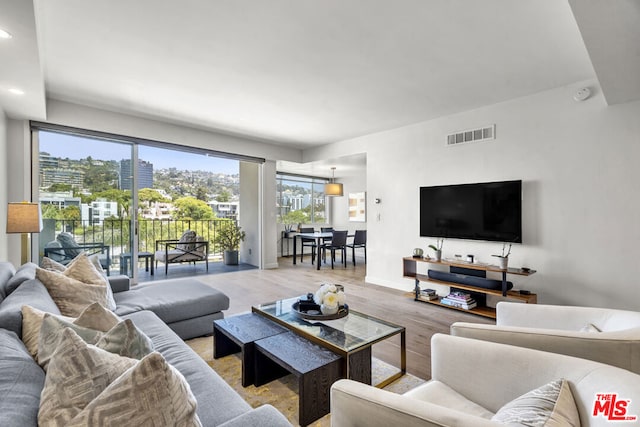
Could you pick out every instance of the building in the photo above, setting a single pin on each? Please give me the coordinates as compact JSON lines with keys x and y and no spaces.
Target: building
{"x":225,"y":209}
{"x":145,"y":174}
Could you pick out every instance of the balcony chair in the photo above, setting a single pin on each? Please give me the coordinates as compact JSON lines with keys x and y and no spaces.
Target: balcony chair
{"x":189,"y":248}
{"x":472,"y":381}
{"x":338,"y":243}
{"x":306,"y":242}
{"x":359,"y":241}
{"x":605,"y":335}
{"x":65,"y":248}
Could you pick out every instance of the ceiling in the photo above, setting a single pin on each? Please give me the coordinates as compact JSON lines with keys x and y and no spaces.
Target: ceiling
{"x":304,"y":73}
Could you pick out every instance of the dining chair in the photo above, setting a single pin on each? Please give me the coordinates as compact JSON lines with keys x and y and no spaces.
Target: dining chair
{"x":326,"y":240}
{"x":308,"y":243}
{"x":359,"y":241}
{"x":338,"y":242}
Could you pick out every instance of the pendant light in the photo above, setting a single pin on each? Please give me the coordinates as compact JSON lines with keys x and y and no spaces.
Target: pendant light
{"x":332,"y":188}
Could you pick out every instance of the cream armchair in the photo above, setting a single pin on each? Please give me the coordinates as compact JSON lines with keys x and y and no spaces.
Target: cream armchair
{"x":472,"y":380}
{"x":604,"y":335}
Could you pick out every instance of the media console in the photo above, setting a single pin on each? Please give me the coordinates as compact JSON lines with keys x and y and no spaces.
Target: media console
{"x":463,"y":276}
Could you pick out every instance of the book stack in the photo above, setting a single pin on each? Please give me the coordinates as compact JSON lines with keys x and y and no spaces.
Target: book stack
{"x":459,"y":300}
{"x":429,"y":294}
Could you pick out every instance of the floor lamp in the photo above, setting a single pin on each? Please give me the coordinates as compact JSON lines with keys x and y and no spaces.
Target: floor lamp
{"x":24,"y":218}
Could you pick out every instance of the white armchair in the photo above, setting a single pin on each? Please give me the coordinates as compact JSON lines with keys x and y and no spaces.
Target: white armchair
{"x":472,"y":380}
{"x":605,"y":335}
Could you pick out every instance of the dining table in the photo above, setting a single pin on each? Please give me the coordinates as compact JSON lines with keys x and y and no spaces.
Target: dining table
{"x":318,"y":236}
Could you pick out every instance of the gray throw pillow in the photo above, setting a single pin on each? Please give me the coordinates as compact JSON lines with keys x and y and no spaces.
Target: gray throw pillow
{"x":69,"y":244}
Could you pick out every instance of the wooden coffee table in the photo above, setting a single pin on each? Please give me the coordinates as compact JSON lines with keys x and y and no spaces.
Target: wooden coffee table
{"x":351,"y":337}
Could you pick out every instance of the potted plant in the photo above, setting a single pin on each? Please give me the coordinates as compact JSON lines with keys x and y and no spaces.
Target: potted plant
{"x":503,"y":260}
{"x":228,"y":239}
{"x":290,"y":219}
{"x":437,"y":248}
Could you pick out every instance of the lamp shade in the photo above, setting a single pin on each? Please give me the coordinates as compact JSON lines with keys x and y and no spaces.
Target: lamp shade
{"x":24,"y":218}
{"x":333,"y":189}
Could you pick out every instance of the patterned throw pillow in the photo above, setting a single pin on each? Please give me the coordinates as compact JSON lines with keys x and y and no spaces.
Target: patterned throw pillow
{"x":152,"y":393}
{"x":551,"y":405}
{"x":94,"y":317}
{"x":123,"y":338}
{"x":77,"y":374}
{"x":52,"y":265}
{"x":71,"y":295}
{"x":187,"y":241}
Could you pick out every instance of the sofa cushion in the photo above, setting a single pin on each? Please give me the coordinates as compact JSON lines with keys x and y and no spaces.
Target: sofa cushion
{"x":7,"y":270}
{"x":441,"y":394}
{"x":77,"y":374}
{"x":31,"y":292}
{"x":173,"y":300}
{"x":151,"y":393}
{"x":25,"y":272}
{"x":20,"y":383}
{"x":210,"y":390}
{"x":549,"y":405}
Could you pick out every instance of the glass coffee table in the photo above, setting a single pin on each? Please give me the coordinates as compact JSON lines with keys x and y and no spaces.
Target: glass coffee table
{"x":350,"y":337}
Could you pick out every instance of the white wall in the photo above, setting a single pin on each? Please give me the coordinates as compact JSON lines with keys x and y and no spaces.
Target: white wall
{"x":579,"y":166}
{"x":340,"y":205}
{"x":4,"y":248}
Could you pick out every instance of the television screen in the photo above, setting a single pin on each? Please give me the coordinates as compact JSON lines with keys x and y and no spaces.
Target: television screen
{"x":484,"y":211}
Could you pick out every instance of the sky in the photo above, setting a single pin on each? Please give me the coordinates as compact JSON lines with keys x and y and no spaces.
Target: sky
{"x":76,"y":147}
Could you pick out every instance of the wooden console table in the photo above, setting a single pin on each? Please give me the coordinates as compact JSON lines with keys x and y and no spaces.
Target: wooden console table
{"x":409,"y":269}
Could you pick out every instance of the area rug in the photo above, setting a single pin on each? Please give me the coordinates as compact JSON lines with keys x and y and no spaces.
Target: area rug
{"x":283,"y":393}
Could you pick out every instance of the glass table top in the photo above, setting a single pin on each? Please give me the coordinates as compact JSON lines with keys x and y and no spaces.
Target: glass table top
{"x":347,"y":334}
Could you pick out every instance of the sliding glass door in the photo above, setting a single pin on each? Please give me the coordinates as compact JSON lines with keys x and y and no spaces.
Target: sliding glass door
{"x":86,"y":191}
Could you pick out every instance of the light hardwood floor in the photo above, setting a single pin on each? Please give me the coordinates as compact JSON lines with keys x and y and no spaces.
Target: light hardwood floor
{"x":252,"y":287}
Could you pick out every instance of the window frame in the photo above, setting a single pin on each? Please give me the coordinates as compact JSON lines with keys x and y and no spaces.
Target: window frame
{"x":314,"y":182}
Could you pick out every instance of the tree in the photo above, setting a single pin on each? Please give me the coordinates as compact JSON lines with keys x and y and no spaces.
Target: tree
{"x":224,"y":196}
{"x":202,"y":194}
{"x":149,"y":195}
{"x":192,"y":208}
{"x":71,"y":213}
{"x":58,"y":186}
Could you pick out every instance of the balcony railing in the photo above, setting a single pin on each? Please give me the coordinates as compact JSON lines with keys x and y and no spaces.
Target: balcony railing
{"x":116,"y":233}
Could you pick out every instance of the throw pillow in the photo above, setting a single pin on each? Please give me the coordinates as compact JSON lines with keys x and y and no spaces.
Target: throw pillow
{"x":51,"y":334}
{"x":187,"y":241}
{"x":69,"y":244}
{"x":111,"y":302}
{"x":126,"y":340}
{"x":71,"y":295}
{"x":550,"y":405}
{"x":31,"y":323}
{"x":52,"y":265}
{"x":123,"y":338}
{"x":152,"y":393}
{"x":77,"y":374}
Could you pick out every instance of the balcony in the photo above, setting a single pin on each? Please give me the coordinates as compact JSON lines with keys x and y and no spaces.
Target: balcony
{"x":115,"y":234}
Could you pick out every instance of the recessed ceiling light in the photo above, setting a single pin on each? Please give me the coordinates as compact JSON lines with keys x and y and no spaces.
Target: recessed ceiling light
{"x":4,"y":34}
{"x":16,"y":91}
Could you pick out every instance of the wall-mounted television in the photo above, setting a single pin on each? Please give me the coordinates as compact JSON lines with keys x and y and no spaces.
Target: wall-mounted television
{"x":490,"y":211}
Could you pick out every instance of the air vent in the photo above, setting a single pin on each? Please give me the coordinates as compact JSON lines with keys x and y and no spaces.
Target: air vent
{"x":472,"y":135}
